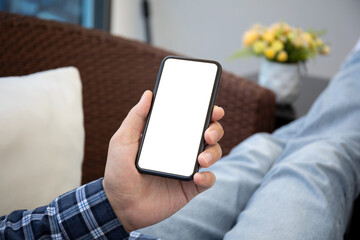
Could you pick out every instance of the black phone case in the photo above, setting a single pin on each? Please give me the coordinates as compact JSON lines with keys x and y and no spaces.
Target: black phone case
{"x":207,"y":122}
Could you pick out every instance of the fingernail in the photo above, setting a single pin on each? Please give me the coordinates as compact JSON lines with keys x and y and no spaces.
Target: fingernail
{"x":207,"y":157}
{"x":222,"y":109}
{"x":214,"y":135}
{"x":142,"y":97}
{"x":201,"y":177}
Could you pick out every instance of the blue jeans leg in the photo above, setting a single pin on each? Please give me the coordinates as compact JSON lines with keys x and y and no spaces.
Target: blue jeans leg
{"x":309,"y":191}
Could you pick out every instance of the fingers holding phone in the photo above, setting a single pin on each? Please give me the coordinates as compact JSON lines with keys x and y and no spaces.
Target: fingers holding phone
{"x":212,"y":152}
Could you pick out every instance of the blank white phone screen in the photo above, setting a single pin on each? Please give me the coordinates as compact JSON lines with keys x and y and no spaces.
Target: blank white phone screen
{"x":175,"y":128}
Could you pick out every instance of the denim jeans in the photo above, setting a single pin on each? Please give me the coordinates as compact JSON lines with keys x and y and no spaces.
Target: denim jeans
{"x":297,"y":183}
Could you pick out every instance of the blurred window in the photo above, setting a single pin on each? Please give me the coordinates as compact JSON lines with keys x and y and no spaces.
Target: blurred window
{"x":87,"y":13}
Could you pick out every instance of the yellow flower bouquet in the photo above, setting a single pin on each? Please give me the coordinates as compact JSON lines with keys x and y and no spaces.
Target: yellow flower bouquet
{"x":284,"y":48}
{"x":282,"y":43}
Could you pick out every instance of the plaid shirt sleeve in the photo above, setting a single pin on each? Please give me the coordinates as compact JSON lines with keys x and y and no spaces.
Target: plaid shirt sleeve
{"x":84,"y":213}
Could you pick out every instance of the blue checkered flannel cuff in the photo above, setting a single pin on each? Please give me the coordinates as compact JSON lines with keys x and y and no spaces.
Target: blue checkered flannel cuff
{"x":84,"y":213}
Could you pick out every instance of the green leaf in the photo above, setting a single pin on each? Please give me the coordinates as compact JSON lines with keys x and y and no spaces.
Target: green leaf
{"x":242,"y":53}
{"x":317,"y":32}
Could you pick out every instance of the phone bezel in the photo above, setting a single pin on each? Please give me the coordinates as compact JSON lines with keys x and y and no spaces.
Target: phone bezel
{"x":207,"y":120}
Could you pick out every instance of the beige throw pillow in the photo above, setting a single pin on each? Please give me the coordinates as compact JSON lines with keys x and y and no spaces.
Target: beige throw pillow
{"x":41,"y":137}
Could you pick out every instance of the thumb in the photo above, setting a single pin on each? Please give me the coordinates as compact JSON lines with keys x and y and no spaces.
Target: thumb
{"x":133,"y":125}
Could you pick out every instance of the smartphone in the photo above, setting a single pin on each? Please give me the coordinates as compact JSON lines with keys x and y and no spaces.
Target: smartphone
{"x":180,"y":112}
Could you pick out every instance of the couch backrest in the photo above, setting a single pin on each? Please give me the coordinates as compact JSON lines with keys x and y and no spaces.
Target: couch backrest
{"x":115,"y":72}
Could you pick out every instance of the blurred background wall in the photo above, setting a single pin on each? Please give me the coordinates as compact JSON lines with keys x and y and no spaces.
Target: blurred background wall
{"x":207,"y":28}
{"x":213,"y":28}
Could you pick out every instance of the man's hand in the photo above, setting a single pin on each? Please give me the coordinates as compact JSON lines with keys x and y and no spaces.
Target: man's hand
{"x":140,"y":200}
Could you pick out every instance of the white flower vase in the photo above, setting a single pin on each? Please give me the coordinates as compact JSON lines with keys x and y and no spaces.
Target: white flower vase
{"x":281,"y":78}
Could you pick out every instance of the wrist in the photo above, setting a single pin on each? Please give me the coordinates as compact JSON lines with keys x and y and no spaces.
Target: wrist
{"x":115,"y":204}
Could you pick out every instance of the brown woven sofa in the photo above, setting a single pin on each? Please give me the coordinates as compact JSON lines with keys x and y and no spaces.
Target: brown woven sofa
{"x":115,"y":72}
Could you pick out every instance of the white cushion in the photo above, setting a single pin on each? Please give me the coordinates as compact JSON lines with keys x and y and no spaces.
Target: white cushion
{"x":41,"y":137}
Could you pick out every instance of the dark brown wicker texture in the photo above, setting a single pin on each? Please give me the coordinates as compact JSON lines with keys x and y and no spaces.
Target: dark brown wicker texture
{"x":115,"y":72}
